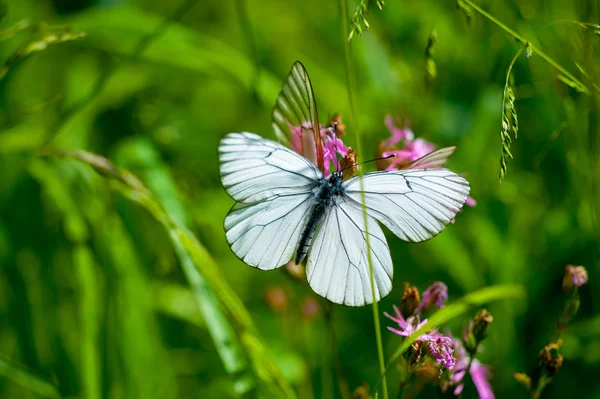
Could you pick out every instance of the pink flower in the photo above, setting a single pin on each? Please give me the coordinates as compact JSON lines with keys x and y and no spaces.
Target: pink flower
{"x":407,"y":327}
{"x":479,"y":373}
{"x":398,"y":134}
{"x":413,"y":150}
{"x":438,"y":345}
{"x":578,"y":274}
{"x":303,"y":142}
{"x":436,"y":294}
{"x":441,"y":347}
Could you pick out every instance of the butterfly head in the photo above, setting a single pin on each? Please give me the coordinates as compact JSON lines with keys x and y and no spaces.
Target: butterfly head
{"x":335,"y":181}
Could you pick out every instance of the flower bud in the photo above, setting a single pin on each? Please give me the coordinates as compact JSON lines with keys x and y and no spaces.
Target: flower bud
{"x":362,"y":392}
{"x":483,"y":318}
{"x":575,"y":276}
{"x":523,"y":379}
{"x":349,"y":164}
{"x":435,"y":295}
{"x":550,"y":358}
{"x":410,"y":300}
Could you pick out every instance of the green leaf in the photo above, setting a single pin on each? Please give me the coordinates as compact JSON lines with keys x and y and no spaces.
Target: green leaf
{"x":18,"y":374}
{"x":571,"y":83}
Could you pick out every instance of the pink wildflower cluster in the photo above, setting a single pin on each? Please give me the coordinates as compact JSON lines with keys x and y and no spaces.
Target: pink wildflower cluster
{"x":448,"y":351}
{"x":332,"y":146}
{"x":439,"y":345}
{"x":411,"y":150}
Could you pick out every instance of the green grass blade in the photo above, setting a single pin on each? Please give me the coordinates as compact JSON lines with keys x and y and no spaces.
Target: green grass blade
{"x":26,"y":379}
{"x":132,"y":188}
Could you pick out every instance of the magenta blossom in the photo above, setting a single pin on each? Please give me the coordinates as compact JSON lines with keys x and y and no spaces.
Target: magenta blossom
{"x":303,"y":142}
{"x":436,"y":294}
{"x":438,"y":345}
{"x":398,"y":134}
{"x":578,"y":274}
{"x":479,"y":373}
{"x":407,"y":327}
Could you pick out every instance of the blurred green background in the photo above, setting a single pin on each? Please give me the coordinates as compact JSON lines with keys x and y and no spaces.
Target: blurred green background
{"x":95,"y":297}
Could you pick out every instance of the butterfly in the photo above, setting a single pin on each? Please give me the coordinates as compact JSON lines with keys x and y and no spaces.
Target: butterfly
{"x":287,"y":209}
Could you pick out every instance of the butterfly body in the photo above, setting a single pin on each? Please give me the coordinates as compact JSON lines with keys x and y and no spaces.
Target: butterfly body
{"x":325,"y":198}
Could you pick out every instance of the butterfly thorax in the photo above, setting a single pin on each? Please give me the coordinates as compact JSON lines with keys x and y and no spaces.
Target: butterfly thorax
{"x":326,"y":195}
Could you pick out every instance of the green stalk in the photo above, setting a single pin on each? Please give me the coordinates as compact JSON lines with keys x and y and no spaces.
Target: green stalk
{"x":526,"y":42}
{"x":351,"y":86}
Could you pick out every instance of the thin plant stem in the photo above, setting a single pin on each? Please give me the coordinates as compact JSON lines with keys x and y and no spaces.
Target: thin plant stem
{"x":510,"y":67}
{"x":342,"y":381}
{"x":526,"y":42}
{"x":351,"y":86}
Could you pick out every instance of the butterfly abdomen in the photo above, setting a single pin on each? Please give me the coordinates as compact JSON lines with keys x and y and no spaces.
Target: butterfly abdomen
{"x":315,"y":217}
{"x":323,"y":200}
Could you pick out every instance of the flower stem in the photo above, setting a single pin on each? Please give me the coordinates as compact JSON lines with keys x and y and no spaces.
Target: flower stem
{"x":526,"y":42}
{"x":342,"y":381}
{"x":351,"y":86}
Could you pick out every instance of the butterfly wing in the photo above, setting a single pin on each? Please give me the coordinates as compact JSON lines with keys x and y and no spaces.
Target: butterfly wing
{"x":434,"y":160}
{"x":338,"y":265}
{"x":415,"y":205}
{"x":296,"y":109}
{"x":274,"y":189}
{"x":265,"y":234}
{"x":254,"y":168}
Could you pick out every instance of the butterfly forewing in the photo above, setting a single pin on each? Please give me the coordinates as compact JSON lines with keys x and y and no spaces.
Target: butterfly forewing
{"x":274,"y":187}
{"x":253,"y":168}
{"x":296,"y":108}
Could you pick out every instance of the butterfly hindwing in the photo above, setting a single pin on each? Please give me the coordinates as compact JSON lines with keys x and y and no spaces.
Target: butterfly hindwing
{"x":265,"y":234}
{"x":338,"y":264}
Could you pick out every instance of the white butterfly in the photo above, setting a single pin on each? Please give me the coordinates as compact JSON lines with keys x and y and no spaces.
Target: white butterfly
{"x":287,"y":209}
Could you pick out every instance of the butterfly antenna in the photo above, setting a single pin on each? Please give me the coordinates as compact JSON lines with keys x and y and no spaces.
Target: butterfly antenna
{"x":370,"y":160}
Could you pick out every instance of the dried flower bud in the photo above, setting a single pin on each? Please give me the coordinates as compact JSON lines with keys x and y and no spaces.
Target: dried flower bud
{"x":348,"y":164}
{"x":523,"y":379}
{"x":336,"y":122}
{"x":575,"y":276}
{"x":410,"y":300}
{"x":468,"y":339}
{"x":416,"y":349}
{"x":435,"y":295}
{"x":277,"y":299}
{"x":483,"y":318}
{"x":550,"y":358}
{"x":362,"y":392}
{"x":383,"y":164}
